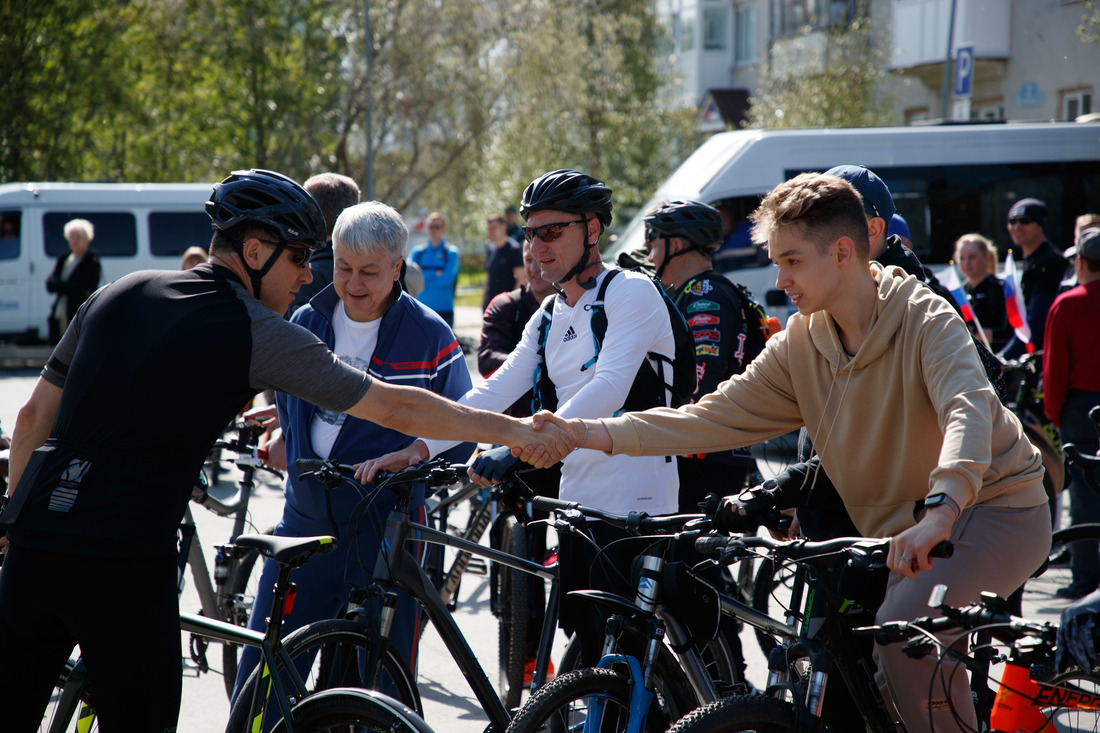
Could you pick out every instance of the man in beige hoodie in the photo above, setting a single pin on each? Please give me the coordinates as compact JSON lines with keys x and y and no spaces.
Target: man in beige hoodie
{"x":881,"y":373}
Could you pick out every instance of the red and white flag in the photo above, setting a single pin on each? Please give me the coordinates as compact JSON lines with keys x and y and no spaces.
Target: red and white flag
{"x":1014,"y":304}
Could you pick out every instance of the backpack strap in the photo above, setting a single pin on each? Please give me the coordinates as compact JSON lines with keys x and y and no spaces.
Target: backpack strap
{"x":599,"y":318}
{"x":543,"y":393}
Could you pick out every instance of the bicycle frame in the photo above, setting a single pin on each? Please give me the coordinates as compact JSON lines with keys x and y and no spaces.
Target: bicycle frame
{"x":397,"y":567}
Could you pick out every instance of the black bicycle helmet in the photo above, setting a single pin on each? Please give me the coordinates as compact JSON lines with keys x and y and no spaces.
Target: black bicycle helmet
{"x":575,"y":193}
{"x":271,"y":200}
{"x":697,"y":224}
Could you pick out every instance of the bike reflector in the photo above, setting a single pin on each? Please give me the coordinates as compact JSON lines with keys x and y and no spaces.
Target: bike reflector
{"x":288,"y":604}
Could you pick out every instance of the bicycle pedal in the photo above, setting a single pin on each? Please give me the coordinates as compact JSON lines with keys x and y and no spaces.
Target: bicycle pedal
{"x":477,"y":566}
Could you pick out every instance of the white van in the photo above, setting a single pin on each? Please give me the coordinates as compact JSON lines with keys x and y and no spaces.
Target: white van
{"x":946,"y":181}
{"x":138,"y":226}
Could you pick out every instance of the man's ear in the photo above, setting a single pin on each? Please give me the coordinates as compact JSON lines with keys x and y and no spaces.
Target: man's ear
{"x":594,"y":229}
{"x":876,"y":227}
{"x":845,"y":250}
{"x":254,"y":252}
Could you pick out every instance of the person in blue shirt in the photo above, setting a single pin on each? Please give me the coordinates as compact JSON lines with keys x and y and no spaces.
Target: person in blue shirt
{"x":370,"y":323}
{"x":439,"y":262}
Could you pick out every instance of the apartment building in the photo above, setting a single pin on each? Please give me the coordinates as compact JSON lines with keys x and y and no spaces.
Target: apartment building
{"x":1025,"y":58}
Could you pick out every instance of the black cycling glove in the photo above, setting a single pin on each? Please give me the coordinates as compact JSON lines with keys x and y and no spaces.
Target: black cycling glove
{"x":497,"y":464}
{"x":747,"y":511}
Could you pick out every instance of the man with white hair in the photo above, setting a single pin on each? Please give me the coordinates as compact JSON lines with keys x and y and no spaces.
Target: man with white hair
{"x":370,"y":323}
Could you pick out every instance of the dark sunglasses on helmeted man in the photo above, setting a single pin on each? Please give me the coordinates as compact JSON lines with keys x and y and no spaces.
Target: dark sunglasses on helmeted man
{"x":298,"y":255}
{"x":548,"y":232}
{"x":1019,"y":221}
{"x":651,"y":234}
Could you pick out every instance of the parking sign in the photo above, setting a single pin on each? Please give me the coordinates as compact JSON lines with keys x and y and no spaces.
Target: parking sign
{"x":964,"y":71}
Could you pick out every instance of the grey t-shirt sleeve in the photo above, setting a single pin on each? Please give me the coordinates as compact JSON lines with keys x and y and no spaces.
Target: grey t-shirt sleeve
{"x":288,"y":358}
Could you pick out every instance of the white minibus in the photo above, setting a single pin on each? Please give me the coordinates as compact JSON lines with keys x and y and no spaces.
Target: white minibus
{"x":946,"y":181}
{"x":138,"y":226}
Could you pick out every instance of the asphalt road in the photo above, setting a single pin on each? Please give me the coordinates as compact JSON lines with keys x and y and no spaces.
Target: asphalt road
{"x":449,"y":703}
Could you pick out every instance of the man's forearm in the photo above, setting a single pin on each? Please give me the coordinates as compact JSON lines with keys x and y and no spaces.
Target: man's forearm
{"x":32,"y":427}
{"x":426,"y":415}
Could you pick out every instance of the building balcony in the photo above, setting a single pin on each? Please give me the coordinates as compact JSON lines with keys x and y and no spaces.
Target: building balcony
{"x":920,"y":29}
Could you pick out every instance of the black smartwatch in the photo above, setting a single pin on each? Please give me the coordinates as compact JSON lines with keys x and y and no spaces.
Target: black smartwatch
{"x":936,"y":500}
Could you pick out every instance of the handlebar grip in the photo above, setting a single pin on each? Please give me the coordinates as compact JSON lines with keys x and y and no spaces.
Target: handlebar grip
{"x":713,"y":544}
{"x":309,"y":464}
{"x":546,"y":504}
{"x":944,"y":549}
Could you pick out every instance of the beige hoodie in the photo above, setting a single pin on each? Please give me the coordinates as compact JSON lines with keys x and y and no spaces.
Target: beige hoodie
{"x":910,"y":415}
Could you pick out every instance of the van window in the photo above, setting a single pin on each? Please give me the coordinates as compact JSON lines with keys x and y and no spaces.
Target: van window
{"x":172,"y":232}
{"x":942,"y":203}
{"x":115,"y":232}
{"x":9,"y":234}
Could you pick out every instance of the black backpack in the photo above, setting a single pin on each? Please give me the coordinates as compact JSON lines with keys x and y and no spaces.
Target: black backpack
{"x":648,"y":389}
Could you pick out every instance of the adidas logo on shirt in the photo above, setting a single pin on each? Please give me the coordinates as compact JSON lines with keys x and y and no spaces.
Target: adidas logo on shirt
{"x":569,"y":335}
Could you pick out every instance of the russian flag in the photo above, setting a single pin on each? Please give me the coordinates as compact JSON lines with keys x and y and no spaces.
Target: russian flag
{"x":950,"y":280}
{"x":1014,"y":304}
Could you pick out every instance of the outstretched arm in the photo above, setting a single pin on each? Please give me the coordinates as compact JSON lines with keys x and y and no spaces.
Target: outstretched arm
{"x":419,"y":412}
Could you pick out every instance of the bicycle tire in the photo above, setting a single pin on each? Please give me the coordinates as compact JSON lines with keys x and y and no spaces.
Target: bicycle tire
{"x":560,"y":705}
{"x":674,"y":692}
{"x":336,"y":646}
{"x":353,"y":710}
{"x":1083,"y":713}
{"x":83,"y":718}
{"x":513,"y":592}
{"x":1043,"y":585}
{"x":744,"y":713}
{"x":242,"y":585}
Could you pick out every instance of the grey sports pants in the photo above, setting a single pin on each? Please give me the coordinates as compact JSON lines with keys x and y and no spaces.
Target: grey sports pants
{"x":996,"y":550}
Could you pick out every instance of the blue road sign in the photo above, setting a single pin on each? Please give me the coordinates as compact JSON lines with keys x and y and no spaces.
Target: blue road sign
{"x":964,"y":71}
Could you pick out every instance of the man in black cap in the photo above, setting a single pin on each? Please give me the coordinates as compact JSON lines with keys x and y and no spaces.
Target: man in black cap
{"x":1044,"y":268}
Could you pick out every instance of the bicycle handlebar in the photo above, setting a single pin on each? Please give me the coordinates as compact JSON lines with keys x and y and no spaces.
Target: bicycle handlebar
{"x":634,"y":522}
{"x":433,"y":473}
{"x":1089,"y":464}
{"x":988,"y":612}
{"x":859,"y":551}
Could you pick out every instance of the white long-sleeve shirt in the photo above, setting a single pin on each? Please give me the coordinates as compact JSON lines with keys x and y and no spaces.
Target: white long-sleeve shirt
{"x":637,"y":323}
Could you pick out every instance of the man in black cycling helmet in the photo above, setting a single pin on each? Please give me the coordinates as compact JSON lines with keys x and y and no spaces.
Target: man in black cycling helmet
{"x":684,"y":228}
{"x":681,"y":237}
{"x":566,"y":191}
{"x":271,"y":200}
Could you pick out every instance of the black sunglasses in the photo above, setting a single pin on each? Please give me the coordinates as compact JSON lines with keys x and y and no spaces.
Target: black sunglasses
{"x":548,"y":232}
{"x":299,"y":256}
{"x":1021,"y":220}
{"x":651,"y":234}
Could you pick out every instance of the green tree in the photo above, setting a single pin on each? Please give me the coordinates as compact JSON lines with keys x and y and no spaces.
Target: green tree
{"x":831,"y":78}
{"x":1089,"y":30}
{"x":586,"y":95}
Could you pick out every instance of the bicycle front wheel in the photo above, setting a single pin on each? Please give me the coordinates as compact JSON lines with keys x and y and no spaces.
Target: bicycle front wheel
{"x":564,"y":704}
{"x":740,"y":714}
{"x":331,"y":654}
{"x":349,"y":711}
{"x":71,"y":707}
